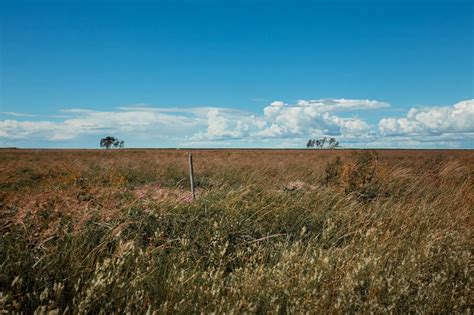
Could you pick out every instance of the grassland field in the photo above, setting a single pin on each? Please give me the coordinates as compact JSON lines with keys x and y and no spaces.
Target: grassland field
{"x":270,"y":231}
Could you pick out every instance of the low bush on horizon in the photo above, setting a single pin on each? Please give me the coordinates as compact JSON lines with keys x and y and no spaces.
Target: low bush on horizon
{"x":270,"y":232}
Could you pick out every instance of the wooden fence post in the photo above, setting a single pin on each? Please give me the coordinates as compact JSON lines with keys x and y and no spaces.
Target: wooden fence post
{"x":191,"y":174}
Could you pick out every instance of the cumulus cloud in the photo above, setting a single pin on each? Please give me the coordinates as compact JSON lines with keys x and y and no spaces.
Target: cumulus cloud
{"x":448,"y":126}
{"x":278,"y":124}
{"x":277,"y":104}
{"x":279,"y":120}
{"x":220,"y":126}
{"x":458,"y":118}
{"x":289,"y":121}
{"x":303,"y":119}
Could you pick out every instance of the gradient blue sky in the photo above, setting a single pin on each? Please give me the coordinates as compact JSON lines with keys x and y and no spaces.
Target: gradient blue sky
{"x":205,"y":73}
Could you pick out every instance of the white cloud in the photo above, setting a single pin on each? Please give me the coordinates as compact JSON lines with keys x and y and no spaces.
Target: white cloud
{"x":281,"y":120}
{"x":219,"y":126}
{"x":331,"y":105}
{"x":277,"y":104}
{"x":278,"y":124}
{"x":15,"y":114}
{"x":139,"y":122}
{"x":458,"y":118}
{"x":13,"y":129}
{"x":225,"y":124}
{"x":309,"y":118}
{"x":350,"y":127}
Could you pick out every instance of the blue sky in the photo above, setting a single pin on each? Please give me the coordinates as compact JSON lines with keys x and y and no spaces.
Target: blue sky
{"x":237,"y":73}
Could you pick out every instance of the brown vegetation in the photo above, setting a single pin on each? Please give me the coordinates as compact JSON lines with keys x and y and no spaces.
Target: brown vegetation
{"x":336,"y":231}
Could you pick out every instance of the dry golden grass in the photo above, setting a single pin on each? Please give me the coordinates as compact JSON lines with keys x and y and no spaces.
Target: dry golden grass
{"x":89,"y":231}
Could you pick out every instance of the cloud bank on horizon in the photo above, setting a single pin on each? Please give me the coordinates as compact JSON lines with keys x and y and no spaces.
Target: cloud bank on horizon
{"x":280,"y":124}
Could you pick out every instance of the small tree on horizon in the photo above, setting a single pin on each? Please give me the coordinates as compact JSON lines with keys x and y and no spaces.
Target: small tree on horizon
{"x":333,"y":143}
{"x":109,"y":141}
{"x":323,"y":143}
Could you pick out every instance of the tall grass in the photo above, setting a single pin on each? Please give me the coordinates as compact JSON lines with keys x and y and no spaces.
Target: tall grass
{"x":270,"y":232}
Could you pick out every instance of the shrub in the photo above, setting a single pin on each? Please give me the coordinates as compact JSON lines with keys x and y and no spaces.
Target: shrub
{"x":355,"y":174}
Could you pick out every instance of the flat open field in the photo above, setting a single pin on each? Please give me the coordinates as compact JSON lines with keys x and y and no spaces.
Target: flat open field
{"x":278,"y":231}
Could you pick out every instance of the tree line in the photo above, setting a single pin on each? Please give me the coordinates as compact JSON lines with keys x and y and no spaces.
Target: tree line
{"x":323,"y":143}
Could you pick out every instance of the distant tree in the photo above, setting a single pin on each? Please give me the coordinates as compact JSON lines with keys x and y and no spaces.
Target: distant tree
{"x":106,"y":142}
{"x":109,"y":141}
{"x":333,"y":143}
{"x":323,"y":143}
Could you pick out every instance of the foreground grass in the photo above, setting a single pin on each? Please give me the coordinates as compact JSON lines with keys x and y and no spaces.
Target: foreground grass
{"x":90,"y":232}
